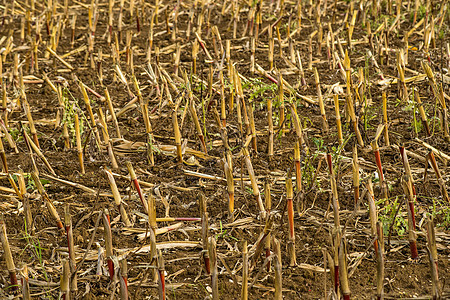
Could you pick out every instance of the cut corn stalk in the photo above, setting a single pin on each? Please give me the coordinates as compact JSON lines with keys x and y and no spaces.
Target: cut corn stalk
{"x":355,"y":168}
{"x":228,"y":168}
{"x":350,"y":107}
{"x":133,"y":178}
{"x":25,"y":284}
{"x":123,"y":280}
{"x":214,"y":272}
{"x":423,"y":115}
{"x":436,"y":290}
{"x":298,"y":169}
{"x":8,"y":256}
{"x":71,"y":248}
{"x":372,"y":215}
{"x":3,"y":157}
{"x":177,"y":133}
{"x":32,"y":147}
{"x":244,"y":290}
{"x":385,"y":120}
{"x":343,"y":274}
{"x":270,"y":122}
{"x":268,"y":203}
{"x":380,"y":262}
{"x":321,"y":104}
{"x":51,"y":208}
{"x":278,"y":270}
{"x":440,"y":180}
{"x":117,"y":198}
{"x":161,"y":276}
{"x":205,"y":229}
{"x":335,"y":199}
{"x":65,"y":280}
{"x":108,"y":243}
{"x":409,"y":174}
{"x":407,"y":189}
{"x":79,"y":148}
{"x":251,"y":174}
{"x":383,"y":183}
{"x":290,"y":209}
{"x":338,"y":118}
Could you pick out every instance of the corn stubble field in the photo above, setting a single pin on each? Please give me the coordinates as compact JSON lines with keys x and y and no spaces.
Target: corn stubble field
{"x":224,"y":149}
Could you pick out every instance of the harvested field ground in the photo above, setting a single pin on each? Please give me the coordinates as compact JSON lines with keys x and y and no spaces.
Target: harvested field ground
{"x":246,"y":70}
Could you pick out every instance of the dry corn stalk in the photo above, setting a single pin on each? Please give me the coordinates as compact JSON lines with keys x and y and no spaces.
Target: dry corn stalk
{"x":65,"y":280}
{"x":262,"y":240}
{"x":268,"y":204}
{"x":153,"y":227}
{"x":161,"y":276}
{"x":108,"y":242}
{"x":290,"y":209}
{"x":79,"y":148}
{"x":350,"y":108}
{"x":407,"y":189}
{"x":423,"y":115}
{"x":321,"y":104}
{"x":252,"y":126}
{"x":244,"y":290}
{"x":338,"y":118}
{"x":133,"y":178}
{"x":380,"y":262}
{"x":3,"y":157}
{"x":383,"y":183}
{"x":106,"y":139}
{"x":251,"y":174}
{"x":148,"y":126}
{"x":32,"y":147}
{"x":270,"y":122}
{"x":53,"y":53}
{"x":14,"y":186}
{"x":355,"y":168}
{"x":205,"y":229}
{"x":298,"y":169}
{"x":297,"y":126}
{"x":223,"y":111}
{"x":27,"y":110}
{"x":343,"y":274}
{"x":440,"y":180}
{"x":8,"y":256}
{"x":281,"y":101}
{"x":278,"y":270}
{"x":117,"y":198}
{"x":25,"y":284}
{"x":334,"y":191}
{"x":112,"y":112}
{"x":22,"y":193}
{"x":123,"y":280}
{"x":194,"y":117}
{"x":385,"y":120}
{"x":51,"y":208}
{"x":87,"y":102}
{"x":334,"y":260}
{"x":372,"y":214}
{"x":177,"y":133}
{"x":271,"y":47}
{"x":214,"y":272}
{"x":439,"y":94}
{"x":409,"y":174}
{"x":71,"y":248}
{"x":402,"y":90}
{"x":228,"y":168}
{"x":436,"y":291}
